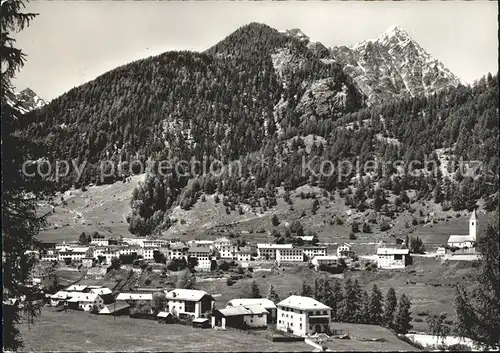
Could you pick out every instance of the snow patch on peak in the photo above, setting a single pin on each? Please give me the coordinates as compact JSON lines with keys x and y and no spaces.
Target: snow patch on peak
{"x":295,"y":32}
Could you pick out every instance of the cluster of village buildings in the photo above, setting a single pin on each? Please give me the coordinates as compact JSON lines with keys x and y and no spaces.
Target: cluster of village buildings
{"x":298,"y":315}
{"x":102,"y":251}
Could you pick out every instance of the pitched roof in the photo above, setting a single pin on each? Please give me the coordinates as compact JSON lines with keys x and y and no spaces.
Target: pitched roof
{"x":473,"y":215}
{"x":266,"y":303}
{"x":459,"y":238}
{"x":307,"y":237}
{"x":134,"y":296}
{"x":200,"y":320}
{"x":82,"y":297}
{"x":115,"y":307}
{"x":345,"y":244}
{"x":222,"y":240}
{"x":186,"y":294}
{"x":76,"y":288}
{"x":302,"y":303}
{"x":164,"y":314}
{"x":101,"y":291}
{"x":178,"y":246}
{"x":198,"y":249}
{"x":325,"y":257}
{"x":392,"y":251}
{"x":61,"y":295}
{"x":243,"y":310}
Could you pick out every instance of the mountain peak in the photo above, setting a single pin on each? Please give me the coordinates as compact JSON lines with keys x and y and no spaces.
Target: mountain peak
{"x":29,"y":100}
{"x":296,"y":33}
{"x":392,"y":65}
{"x":395,"y":28}
{"x":394,"y":31}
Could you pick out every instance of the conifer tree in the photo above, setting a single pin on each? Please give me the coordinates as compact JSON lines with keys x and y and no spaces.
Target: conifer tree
{"x":336,"y":301}
{"x":358,"y":301}
{"x":351,"y":304}
{"x":364,"y":315}
{"x":375,"y":307}
{"x":306,"y":290}
{"x":402,"y":320}
{"x":272,"y":295}
{"x":478,"y":312}
{"x":255,"y":290}
{"x":390,"y":306}
{"x":20,"y":193}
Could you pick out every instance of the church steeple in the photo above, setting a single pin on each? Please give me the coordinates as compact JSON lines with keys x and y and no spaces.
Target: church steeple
{"x":473,"y":225}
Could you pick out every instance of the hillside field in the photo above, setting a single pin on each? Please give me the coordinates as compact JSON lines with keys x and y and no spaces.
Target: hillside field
{"x":76,"y":331}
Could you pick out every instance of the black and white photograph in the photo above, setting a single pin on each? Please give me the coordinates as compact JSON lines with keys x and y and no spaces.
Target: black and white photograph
{"x":250,"y":176}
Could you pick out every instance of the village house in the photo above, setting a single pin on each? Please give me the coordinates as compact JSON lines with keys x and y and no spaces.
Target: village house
{"x":466,"y":241}
{"x":242,"y":317}
{"x":303,"y":316}
{"x":202,"y":254}
{"x":268,"y":251}
{"x":202,"y":243}
{"x":312,"y":251}
{"x":105,"y":254}
{"x":50,"y":255}
{"x":105,"y":293}
{"x":390,"y":258}
{"x":192,"y":302}
{"x":344,"y":250}
{"x":88,"y":262}
{"x":178,"y":251}
{"x":165,"y":317}
{"x":328,"y":260}
{"x":440,"y":251}
{"x":85,"y":301}
{"x":59,"y":298}
{"x":48,"y":281}
{"x":154,"y":243}
{"x":75,"y":254}
{"x":134,"y":297}
{"x":148,"y":252}
{"x":289,"y":255}
{"x":308,"y":239}
{"x":244,"y":254}
{"x":129,"y":250}
{"x":266,"y":303}
{"x":225,"y":248}
{"x":99,"y":242}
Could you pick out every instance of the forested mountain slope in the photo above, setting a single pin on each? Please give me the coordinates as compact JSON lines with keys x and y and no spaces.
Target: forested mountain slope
{"x":219,"y":104}
{"x":274,"y":104}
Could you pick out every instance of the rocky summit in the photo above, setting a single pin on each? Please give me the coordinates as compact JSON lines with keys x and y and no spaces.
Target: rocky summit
{"x":393,"y":65}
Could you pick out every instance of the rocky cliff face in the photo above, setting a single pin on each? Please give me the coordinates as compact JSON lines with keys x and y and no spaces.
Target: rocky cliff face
{"x":393,"y":65}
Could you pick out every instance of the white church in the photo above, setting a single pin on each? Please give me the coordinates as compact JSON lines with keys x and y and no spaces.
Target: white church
{"x":465,"y":241}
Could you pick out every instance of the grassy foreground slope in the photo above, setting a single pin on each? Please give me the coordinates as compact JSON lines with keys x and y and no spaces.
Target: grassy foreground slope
{"x":80,"y":332}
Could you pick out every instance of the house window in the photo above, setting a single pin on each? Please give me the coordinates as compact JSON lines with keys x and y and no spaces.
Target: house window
{"x":300,"y":326}
{"x":398,"y":257}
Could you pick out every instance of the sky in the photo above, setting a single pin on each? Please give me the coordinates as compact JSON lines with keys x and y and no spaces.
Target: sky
{"x":73,"y":42}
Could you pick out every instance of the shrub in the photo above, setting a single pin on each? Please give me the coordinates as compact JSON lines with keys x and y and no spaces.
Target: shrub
{"x":147,"y":282}
{"x":230,"y":281}
{"x":352,"y":236}
{"x":384,"y":226}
